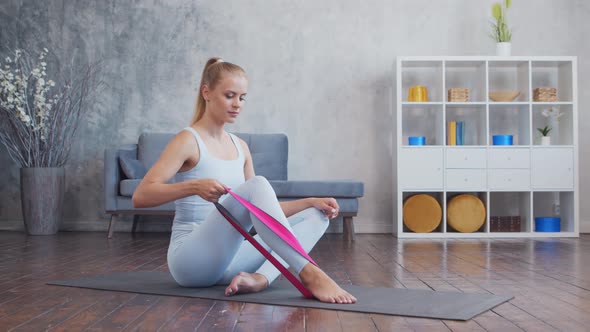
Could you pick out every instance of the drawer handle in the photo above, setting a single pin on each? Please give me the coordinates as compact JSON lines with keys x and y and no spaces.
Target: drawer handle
{"x":508,"y":158}
{"x":509,"y":180}
{"x":465,"y":179}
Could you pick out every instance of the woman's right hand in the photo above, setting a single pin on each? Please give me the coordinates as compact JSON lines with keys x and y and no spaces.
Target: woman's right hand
{"x":209,"y":189}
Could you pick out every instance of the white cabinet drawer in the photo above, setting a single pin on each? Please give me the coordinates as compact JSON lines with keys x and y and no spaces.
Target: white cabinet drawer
{"x":466,"y":179}
{"x":465,"y":158}
{"x":553,"y":168}
{"x":509,"y":158}
{"x":509,"y":179}
{"x":421,"y":168}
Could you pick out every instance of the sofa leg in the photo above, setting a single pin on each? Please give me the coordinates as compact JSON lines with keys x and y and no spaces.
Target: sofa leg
{"x":112,"y":226}
{"x":135,"y":221}
{"x":348,"y":229}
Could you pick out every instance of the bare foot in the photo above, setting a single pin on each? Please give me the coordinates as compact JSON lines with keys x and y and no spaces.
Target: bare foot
{"x":245,"y":282}
{"x":323,"y":287}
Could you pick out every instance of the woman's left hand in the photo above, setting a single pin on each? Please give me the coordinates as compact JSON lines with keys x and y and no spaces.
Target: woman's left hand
{"x":327,"y":205}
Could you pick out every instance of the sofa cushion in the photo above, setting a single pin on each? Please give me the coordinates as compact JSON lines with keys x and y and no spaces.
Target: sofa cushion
{"x":127,"y":187}
{"x":133,"y":168}
{"x":269,"y":154}
{"x":150,"y":146}
{"x":332,"y":188}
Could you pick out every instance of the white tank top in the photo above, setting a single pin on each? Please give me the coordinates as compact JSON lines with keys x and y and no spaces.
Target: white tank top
{"x":193,"y":210}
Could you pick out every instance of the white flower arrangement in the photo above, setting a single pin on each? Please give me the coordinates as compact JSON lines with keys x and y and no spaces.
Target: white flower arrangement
{"x":553,"y":113}
{"x":38,"y":118}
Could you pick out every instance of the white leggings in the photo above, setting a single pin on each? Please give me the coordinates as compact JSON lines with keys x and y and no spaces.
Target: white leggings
{"x":214,"y":252}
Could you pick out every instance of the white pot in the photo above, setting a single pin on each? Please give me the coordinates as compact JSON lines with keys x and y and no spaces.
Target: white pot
{"x":545,"y":140}
{"x":503,"y":49}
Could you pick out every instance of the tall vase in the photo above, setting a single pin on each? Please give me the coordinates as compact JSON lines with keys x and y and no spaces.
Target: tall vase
{"x":503,"y":49}
{"x":42,"y":193}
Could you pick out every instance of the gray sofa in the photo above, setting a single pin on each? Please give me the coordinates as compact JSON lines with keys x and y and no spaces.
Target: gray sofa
{"x":125,"y":166}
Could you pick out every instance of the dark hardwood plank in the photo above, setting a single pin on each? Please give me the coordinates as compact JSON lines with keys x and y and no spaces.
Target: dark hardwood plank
{"x":288,"y":319}
{"x":322,"y":320}
{"x":125,"y":314}
{"x":223,"y":316}
{"x":190,"y":316}
{"x":94,"y":313}
{"x":158,"y":314}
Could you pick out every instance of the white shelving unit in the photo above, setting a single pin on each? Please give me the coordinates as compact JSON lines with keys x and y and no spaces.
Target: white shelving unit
{"x":525,"y":179}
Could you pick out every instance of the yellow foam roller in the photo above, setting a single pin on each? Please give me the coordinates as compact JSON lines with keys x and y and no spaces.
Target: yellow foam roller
{"x":422,"y":213}
{"x":466,"y":213}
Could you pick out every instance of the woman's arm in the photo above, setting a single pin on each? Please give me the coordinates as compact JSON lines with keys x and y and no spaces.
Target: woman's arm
{"x":153,"y":189}
{"x":248,"y":165}
{"x":292,"y":207}
{"x":327,"y":205}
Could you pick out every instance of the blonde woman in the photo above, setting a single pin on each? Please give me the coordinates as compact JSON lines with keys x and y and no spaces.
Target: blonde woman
{"x":204,"y":248}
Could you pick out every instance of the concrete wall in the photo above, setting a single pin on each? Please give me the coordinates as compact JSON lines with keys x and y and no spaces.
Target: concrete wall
{"x":320,"y":71}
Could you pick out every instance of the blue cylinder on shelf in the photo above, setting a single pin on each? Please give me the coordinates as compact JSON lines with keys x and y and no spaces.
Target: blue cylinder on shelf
{"x":417,"y":140}
{"x":502,"y":139}
{"x":547,"y":224}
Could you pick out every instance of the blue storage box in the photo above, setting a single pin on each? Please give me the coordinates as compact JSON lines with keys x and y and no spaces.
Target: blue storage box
{"x":547,"y":224}
{"x":417,"y":140}
{"x":502,"y":140}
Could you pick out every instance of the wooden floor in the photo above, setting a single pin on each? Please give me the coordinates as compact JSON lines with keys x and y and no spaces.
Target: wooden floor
{"x":550,"y":279}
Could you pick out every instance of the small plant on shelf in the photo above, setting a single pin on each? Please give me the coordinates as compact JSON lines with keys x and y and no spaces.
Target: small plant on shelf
{"x":544,"y":131}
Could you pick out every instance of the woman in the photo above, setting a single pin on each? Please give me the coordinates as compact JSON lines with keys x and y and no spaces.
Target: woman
{"x":204,"y":249}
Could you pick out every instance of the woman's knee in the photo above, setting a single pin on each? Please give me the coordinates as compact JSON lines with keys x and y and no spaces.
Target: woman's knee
{"x":259,"y":180}
{"x":260,"y":183}
{"x":319,"y":217}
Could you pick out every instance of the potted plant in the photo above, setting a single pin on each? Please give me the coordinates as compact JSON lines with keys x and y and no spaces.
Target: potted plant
{"x":500,"y":31}
{"x":38,"y":121}
{"x":545,"y":138}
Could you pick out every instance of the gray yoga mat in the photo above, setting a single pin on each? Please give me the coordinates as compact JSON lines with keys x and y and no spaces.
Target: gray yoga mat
{"x":389,"y":301}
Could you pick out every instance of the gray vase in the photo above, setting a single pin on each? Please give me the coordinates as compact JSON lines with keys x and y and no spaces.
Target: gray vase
{"x":42,"y":192}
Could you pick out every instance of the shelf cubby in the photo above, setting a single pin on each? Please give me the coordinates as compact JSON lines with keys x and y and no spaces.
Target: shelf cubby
{"x":555,"y":204}
{"x":510,"y":75}
{"x":474,"y":119}
{"x":510,"y":120}
{"x":423,"y":120}
{"x":466,"y":74}
{"x":481,"y":195}
{"x":439,"y":196}
{"x":561,"y":130}
{"x":555,"y":74}
{"x":423,"y":73}
{"x":512,"y":204}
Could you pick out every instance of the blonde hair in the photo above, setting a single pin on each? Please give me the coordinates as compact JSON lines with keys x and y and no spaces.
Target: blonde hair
{"x":212,"y":73}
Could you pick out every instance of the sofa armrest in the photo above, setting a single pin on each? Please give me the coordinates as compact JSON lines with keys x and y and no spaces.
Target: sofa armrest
{"x":113,"y":175}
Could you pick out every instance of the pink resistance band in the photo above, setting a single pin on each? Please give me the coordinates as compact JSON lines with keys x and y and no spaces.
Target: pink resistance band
{"x":274,"y":226}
